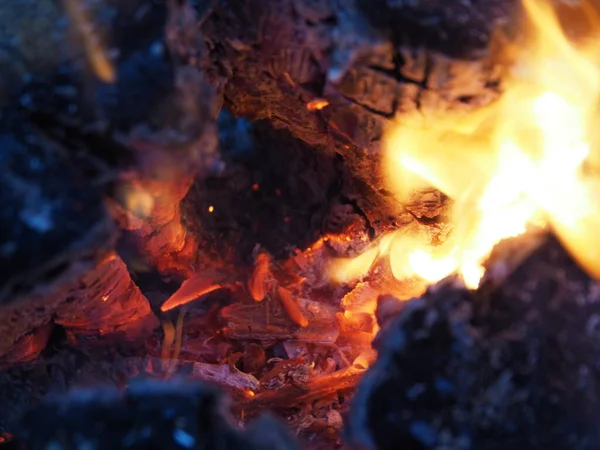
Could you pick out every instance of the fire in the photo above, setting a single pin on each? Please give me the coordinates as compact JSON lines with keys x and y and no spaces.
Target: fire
{"x":526,"y":160}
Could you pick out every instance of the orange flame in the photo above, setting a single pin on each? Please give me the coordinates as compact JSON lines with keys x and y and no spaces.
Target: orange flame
{"x":523,"y":161}
{"x":198,"y":285}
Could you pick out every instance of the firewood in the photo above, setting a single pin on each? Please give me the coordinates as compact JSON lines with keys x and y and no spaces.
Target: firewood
{"x":54,"y":226}
{"x":512,"y":364}
{"x":149,"y":414}
{"x":258,"y":284}
{"x":106,"y":302}
{"x":120,"y":107}
{"x":291,"y":307}
{"x":72,"y":139}
{"x":195,"y":287}
{"x":268,"y":321}
{"x":291,"y":394}
{"x":367,"y":61}
{"x":29,"y":347}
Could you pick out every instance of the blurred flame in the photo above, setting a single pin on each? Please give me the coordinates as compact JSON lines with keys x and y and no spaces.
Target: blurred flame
{"x":525,"y":160}
{"x":345,"y":270}
{"x":95,"y":51}
{"x":137,"y":200}
{"x":317,"y":104}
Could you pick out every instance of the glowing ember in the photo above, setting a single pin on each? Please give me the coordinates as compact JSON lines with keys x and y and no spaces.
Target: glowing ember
{"x":317,"y":104}
{"x":94,"y":50}
{"x":515,"y":164}
{"x":198,"y":285}
{"x":261,"y":278}
{"x":291,"y":306}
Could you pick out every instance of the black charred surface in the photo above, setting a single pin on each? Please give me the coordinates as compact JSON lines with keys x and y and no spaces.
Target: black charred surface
{"x":152,"y":100}
{"x":53,"y":224}
{"x":514,"y":366}
{"x":457,"y":29}
{"x":370,"y":61}
{"x":61,"y":366}
{"x":274,"y":190}
{"x":70,"y":139}
{"x":52,"y":212}
{"x":59,"y":132}
{"x":148,"y":415}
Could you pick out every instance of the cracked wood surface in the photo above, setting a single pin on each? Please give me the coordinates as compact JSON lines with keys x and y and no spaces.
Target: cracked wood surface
{"x":371,"y":61}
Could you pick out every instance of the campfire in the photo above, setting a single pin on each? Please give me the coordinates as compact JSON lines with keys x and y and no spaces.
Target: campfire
{"x":301,"y":225}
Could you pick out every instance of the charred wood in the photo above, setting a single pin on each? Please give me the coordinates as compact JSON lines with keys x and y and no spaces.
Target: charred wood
{"x":104,"y":85}
{"x":268,"y":322}
{"x":54,"y":225}
{"x":274,"y":190}
{"x":513,"y":364}
{"x":125,"y":116}
{"x":103,"y":304}
{"x":147,"y":415}
{"x":361,"y":63}
{"x":108,"y":303}
{"x":98,"y":114}
{"x":291,"y":393}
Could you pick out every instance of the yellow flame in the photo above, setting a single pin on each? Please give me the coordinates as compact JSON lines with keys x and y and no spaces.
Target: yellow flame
{"x":344,"y":270}
{"x":96,"y":53}
{"x":516,"y":163}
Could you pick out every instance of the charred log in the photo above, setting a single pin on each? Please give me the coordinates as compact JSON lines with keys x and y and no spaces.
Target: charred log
{"x":82,"y":126}
{"x":509,"y":365}
{"x":274,"y":190}
{"x":147,"y":415}
{"x":139,"y":107}
{"x":54,"y":225}
{"x":333,"y":74}
{"x":142,"y":113}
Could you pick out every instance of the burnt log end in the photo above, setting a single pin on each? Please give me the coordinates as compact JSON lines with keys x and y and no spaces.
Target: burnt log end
{"x":510,"y":366}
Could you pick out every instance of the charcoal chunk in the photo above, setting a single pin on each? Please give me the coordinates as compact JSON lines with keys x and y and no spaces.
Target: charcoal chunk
{"x":509,"y":366}
{"x":52,"y":208}
{"x":148,"y":415}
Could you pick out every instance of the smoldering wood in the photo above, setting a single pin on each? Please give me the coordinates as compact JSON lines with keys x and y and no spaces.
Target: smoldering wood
{"x":101,"y":306}
{"x":510,"y":365}
{"x":54,"y":226}
{"x":274,"y":190}
{"x":65,"y":365}
{"x":148,"y":118}
{"x":368,"y":61}
{"x":160,"y":113}
{"x":272,"y":373}
{"x":29,"y":383}
{"x":291,"y":393}
{"x":72,"y":140}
